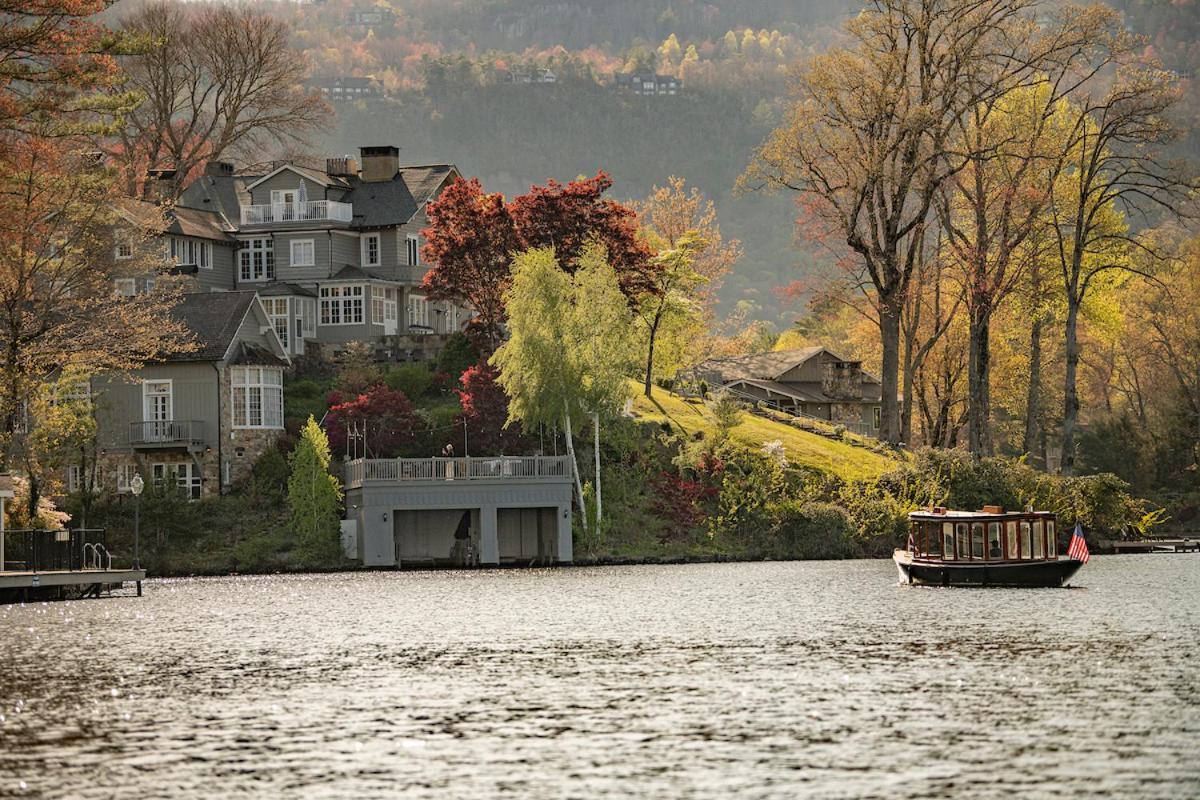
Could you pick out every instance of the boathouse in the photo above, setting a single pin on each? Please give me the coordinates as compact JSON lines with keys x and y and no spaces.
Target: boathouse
{"x":488,"y":511}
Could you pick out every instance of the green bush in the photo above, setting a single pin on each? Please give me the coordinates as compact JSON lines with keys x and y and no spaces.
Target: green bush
{"x":457,"y":356}
{"x":808,"y":530}
{"x":412,"y":379}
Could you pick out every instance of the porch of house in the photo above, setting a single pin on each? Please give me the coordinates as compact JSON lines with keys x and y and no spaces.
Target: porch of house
{"x":458,"y":512}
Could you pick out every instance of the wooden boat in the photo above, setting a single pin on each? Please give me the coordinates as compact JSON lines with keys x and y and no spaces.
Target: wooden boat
{"x":990,"y":547}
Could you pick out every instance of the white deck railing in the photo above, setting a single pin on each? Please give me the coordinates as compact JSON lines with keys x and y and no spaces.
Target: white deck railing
{"x":308,"y":211}
{"x":491,"y":468}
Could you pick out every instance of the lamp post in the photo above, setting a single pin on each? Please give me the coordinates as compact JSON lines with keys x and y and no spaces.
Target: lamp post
{"x":136,"y":485}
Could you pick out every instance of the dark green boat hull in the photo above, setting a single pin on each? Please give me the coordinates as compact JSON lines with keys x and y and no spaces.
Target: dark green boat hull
{"x":1016,"y":573}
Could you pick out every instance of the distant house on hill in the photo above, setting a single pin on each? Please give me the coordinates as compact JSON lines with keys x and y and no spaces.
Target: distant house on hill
{"x":519,"y":75}
{"x":813,"y":381}
{"x":374,"y":16}
{"x":347,"y":88}
{"x":646,"y":84}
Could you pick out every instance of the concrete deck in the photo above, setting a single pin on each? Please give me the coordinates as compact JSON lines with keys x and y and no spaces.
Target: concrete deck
{"x":82,"y":577}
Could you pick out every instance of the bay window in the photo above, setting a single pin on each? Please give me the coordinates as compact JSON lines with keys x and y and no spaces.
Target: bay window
{"x":342,"y":305}
{"x":257,"y":397}
{"x":191,"y":253}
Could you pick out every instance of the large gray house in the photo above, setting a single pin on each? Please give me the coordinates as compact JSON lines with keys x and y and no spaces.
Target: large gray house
{"x":200,"y":418}
{"x":334,"y":253}
{"x":813,"y":381}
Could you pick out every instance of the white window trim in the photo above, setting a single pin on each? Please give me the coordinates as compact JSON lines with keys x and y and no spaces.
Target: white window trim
{"x":124,"y":245}
{"x":170,"y":382}
{"x":262,"y":387}
{"x":364,"y":245}
{"x":412,"y":245}
{"x":312,"y":253}
{"x":363,"y":299}
{"x":248,"y":250}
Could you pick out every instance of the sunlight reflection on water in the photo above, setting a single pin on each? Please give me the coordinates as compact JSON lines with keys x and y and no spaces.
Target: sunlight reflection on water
{"x":727,"y":680}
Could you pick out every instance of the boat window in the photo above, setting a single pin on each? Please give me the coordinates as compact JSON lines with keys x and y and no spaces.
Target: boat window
{"x":1012,"y":539}
{"x":1026,"y":548}
{"x":993,"y":544}
{"x":977,"y":540}
{"x":934,"y":539}
{"x":1051,"y":540}
{"x":1039,"y":550}
{"x":948,"y":540}
{"x":963,"y":531}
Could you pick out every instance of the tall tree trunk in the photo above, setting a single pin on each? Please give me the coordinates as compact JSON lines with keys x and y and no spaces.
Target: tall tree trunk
{"x":574,"y":464}
{"x":979,"y":438}
{"x":1033,"y":400}
{"x":650,"y":356}
{"x":596,"y":442}
{"x":889,"y":337}
{"x":1070,"y":390}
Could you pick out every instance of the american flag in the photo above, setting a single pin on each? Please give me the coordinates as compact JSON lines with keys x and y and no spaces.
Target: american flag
{"x":1078,"y":547}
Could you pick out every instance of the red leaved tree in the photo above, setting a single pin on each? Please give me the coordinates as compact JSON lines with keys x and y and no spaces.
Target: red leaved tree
{"x":472,"y":236}
{"x":567,"y":217}
{"x":470,"y":239}
{"x":380,"y":423}
{"x":485,"y":411}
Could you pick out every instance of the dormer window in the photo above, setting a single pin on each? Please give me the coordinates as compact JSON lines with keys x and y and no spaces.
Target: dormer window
{"x":124,"y":250}
{"x":370,"y":250}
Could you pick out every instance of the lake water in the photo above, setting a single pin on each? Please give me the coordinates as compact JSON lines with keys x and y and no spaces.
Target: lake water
{"x":825,"y":680}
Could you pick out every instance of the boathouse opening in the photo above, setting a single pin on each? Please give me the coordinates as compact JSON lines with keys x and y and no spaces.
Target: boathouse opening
{"x":458,"y":511}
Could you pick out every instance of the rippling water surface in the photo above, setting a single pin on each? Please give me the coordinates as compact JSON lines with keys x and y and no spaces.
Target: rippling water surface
{"x":822,"y":680}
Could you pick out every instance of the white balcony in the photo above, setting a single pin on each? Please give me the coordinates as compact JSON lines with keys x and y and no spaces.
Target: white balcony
{"x":309,"y":211}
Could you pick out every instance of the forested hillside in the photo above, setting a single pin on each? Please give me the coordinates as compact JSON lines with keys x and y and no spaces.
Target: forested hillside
{"x":447,"y":67}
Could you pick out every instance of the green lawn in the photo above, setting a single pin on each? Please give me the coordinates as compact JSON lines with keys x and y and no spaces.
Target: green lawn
{"x":803,"y":448}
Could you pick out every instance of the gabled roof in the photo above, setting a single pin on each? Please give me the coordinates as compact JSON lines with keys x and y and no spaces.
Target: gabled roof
{"x":316,"y":176}
{"x":381,"y":203}
{"x":223,"y":195}
{"x":762,"y":366}
{"x":200,"y":224}
{"x":352,"y":273}
{"x":213,"y":319}
{"x":424,"y":181}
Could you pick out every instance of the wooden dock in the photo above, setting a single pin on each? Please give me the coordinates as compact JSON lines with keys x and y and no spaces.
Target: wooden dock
{"x":23,"y":586}
{"x":1185,"y":544}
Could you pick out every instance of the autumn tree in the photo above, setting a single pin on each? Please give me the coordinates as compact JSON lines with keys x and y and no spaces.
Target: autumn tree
{"x":218,"y":80}
{"x":470,"y":241}
{"x":671,"y":299}
{"x":485,"y":412}
{"x":472,"y":237}
{"x":1113,"y":167}
{"x":868,"y":141}
{"x":672,"y":212}
{"x":379,"y":423}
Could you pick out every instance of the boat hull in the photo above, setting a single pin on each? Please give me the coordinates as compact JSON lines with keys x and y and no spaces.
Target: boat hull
{"x":1020,"y":573}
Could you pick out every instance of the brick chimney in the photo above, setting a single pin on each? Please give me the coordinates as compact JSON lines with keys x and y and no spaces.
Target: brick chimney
{"x":379,"y":163}
{"x":162,"y":179}
{"x":842,"y":380}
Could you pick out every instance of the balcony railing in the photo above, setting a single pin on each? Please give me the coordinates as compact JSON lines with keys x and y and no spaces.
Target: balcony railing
{"x":308,"y":211}
{"x":167,"y":433}
{"x":487,"y":468}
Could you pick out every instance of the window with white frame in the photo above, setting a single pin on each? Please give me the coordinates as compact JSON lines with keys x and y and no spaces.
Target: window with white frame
{"x":156,"y":404}
{"x":370,"y":250}
{"x":74,"y":478}
{"x":277,"y":312}
{"x":186,"y":476}
{"x":389,"y":305}
{"x":303,"y":253}
{"x":256,"y":260}
{"x":377,"y":302}
{"x":342,"y":305}
{"x":418,"y":311}
{"x":125,"y":287}
{"x":191,"y":253}
{"x":257,"y":397}
{"x":124,"y":250}
{"x":125,"y":473}
{"x":308,"y":317}
{"x":414,"y":250}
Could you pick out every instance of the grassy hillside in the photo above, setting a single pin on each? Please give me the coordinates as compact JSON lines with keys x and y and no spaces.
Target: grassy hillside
{"x":803,"y":448}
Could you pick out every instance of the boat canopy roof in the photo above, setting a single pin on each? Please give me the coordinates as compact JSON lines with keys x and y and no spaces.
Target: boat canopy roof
{"x":938,"y":514}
